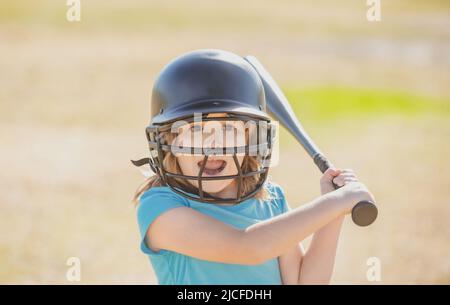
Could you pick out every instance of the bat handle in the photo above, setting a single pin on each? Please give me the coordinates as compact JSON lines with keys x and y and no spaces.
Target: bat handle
{"x":364,"y":212}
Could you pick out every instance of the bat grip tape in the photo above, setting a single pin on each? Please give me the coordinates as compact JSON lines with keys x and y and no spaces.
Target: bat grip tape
{"x":322,"y":163}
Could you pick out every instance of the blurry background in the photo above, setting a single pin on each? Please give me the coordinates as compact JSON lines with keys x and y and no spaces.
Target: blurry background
{"x":74,"y":102}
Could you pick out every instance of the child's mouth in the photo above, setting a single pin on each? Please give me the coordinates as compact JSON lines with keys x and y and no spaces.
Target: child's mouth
{"x":213,"y":167}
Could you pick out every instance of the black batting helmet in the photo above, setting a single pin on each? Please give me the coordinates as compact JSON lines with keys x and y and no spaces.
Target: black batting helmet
{"x":208,"y":81}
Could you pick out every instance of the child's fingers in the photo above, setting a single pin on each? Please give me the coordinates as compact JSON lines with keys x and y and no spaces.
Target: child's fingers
{"x":334,"y":171}
{"x":346,"y":180}
{"x":328,"y":176}
{"x":348,"y":171}
{"x":330,"y":173}
{"x":342,"y":179}
{"x":339,"y":177}
{"x":345,"y":175}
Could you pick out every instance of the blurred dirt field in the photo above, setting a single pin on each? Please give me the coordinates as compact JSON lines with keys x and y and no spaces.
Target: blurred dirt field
{"x":74,"y":102}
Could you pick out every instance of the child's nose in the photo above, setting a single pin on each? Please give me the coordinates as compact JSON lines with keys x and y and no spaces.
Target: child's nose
{"x":213,"y":141}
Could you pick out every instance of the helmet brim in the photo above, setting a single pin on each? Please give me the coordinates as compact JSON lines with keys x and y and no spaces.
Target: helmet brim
{"x":206,"y":107}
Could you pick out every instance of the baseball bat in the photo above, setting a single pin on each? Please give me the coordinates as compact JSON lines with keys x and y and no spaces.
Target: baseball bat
{"x":364,"y":212}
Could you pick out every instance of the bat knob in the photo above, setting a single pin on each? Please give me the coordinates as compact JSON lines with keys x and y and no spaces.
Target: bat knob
{"x":364,"y":213}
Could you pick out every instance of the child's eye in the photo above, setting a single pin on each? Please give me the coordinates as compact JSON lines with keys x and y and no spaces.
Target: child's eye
{"x":229,"y":127}
{"x":195,"y":128}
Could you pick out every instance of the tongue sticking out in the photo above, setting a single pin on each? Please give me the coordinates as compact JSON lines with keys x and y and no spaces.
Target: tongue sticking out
{"x":213,"y":167}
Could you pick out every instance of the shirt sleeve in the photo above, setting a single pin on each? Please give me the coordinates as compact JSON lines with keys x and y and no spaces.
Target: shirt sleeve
{"x":153,"y":203}
{"x":280,"y":197}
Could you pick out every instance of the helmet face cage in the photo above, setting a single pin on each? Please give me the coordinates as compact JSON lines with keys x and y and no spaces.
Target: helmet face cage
{"x":262,"y":151}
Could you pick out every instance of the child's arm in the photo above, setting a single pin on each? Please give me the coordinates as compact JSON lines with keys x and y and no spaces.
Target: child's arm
{"x":189,"y":232}
{"x":291,"y":264}
{"x":317,"y":264}
{"x":318,"y":261}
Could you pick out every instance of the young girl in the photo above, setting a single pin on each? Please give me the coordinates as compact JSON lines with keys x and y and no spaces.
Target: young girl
{"x":210,"y":215}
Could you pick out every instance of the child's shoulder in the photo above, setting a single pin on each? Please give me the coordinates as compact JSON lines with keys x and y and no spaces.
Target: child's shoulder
{"x":277,"y":198}
{"x":275,"y":190}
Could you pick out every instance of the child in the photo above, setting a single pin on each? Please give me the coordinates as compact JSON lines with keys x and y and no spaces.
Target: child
{"x":210,"y":215}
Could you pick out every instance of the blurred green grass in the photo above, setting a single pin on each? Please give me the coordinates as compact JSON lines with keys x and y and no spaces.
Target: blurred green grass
{"x":321,"y":108}
{"x":327,"y":103}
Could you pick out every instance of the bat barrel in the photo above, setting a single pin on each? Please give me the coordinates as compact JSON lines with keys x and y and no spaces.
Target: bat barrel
{"x":364,"y":213}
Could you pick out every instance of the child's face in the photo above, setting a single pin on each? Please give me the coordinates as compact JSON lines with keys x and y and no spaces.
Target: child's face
{"x":217,"y":165}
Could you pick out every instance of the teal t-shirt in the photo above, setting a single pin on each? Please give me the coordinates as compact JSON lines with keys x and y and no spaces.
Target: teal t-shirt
{"x":176,"y":268}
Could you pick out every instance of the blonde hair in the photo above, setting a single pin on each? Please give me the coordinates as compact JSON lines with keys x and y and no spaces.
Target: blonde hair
{"x":250,"y":163}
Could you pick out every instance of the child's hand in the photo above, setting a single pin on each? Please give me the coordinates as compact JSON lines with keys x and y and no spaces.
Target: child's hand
{"x":339,"y":176}
{"x":351,"y":190}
